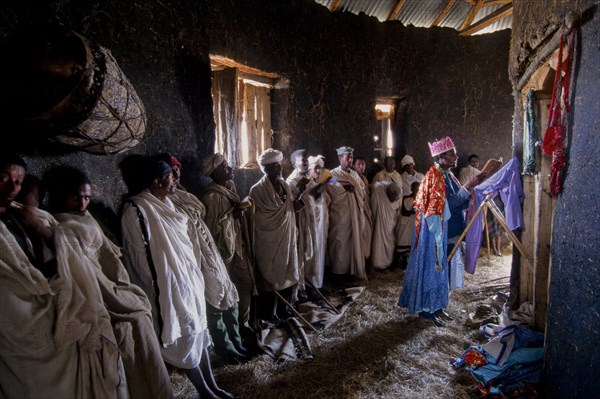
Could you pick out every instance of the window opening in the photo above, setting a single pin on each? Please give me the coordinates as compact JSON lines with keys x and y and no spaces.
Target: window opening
{"x":242,"y":111}
{"x":384,"y":141}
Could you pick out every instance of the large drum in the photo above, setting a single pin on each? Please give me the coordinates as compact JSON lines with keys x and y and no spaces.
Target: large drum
{"x":72,"y":91}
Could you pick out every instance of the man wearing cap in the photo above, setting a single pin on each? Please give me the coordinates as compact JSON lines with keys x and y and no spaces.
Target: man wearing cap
{"x":438,"y":206}
{"x":275,"y":249}
{"x":163,"y":261}
{"x":225,"y":218}
{"x":409,"y":174}
{"x":405,"y":228}
{"x":347,"y":250}
{"x":386,"y":200}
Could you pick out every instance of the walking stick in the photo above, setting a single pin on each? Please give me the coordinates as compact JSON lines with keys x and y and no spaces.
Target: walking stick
{"x":323,"y":297}
{"x":286,"y":302}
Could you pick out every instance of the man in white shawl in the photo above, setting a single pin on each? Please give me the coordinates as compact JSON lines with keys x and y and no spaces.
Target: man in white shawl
{"x":163,"y":261}
{"x":56,"y":339}
{"x":274,"y":238}
{"x":317,"y":223}
{"x":409,"y":173}
{"x":220,"y":292}
{"x":389,"y":172}
{"x":69,"y":195}
{"x":225,"y":218}
{"x":386,"y":200}
{"x":297,"y":180}
{"x":345,"y":246}
{"x":407,"y":222}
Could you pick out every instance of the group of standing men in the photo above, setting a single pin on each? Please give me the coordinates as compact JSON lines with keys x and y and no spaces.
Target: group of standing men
{"x":72,"y":303}
{"x":321,"y":222}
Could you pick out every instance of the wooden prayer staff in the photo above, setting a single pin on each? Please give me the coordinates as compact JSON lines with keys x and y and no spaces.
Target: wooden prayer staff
{"x":323,"y":297}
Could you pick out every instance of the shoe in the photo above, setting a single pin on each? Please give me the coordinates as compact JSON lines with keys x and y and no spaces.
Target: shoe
{"x":432,"y":318}
{"x":441,"y":314}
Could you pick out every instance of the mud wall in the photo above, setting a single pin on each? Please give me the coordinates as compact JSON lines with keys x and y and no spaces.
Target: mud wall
{"x":337,"y":65}
{"x":572,"y":359}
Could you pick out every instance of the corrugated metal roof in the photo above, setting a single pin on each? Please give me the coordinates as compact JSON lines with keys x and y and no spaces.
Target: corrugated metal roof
{"x":422,"y":13}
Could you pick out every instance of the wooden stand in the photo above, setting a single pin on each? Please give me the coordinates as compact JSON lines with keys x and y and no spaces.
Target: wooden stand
{"x":489,"y":205}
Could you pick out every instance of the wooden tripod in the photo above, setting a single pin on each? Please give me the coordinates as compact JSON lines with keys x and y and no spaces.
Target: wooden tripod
{"x":488,"y":204}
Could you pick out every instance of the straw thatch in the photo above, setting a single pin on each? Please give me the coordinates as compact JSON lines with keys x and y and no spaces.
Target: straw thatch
{"x":377,"y":350}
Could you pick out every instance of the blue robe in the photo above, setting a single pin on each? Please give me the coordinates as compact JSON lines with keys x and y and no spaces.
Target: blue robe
{"x":425,"y":288}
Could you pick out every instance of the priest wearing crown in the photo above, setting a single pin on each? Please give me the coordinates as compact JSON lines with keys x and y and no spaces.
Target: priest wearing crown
{"x":439,"y":206}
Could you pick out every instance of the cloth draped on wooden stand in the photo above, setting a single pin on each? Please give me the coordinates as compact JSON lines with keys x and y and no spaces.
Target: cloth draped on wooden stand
{"x":507,"y":182}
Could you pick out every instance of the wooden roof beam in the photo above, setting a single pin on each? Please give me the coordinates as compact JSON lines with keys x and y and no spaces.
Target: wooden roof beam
{"x":488,"y":2}
{"x":394,"y":13}
{"x":334,"y":6}
{"x":471,"y":16}
{"x":442,"y":14}
{"x":496,"y":2}
{"x":497,"y":15}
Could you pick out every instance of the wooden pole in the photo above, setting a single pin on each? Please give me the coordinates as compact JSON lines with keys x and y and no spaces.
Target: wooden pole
{"x":487,"y":231}
{"x":295,"y":311}
{"x":464,"y":233}
{"x":513,"y":238}
{"x":323,"y":297}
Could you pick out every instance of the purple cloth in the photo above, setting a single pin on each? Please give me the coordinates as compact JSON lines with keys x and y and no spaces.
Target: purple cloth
{"x":507,"y":181}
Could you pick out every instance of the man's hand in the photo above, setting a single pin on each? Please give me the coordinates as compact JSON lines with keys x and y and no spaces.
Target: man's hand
{"x":348,"y":187}
{"x":475,"y":180}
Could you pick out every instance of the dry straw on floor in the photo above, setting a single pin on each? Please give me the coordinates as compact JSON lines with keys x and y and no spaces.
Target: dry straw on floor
{"x":377,"y":350}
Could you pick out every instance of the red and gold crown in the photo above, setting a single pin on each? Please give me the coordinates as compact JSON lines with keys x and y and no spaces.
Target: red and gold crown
{"x":440,"y":146}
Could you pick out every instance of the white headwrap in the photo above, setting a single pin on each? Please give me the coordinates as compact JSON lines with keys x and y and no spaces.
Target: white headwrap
{"x":316,"y":161}
{"x":270,"y":156}
{"x":407,"y":160}
{"x":211,"y":162}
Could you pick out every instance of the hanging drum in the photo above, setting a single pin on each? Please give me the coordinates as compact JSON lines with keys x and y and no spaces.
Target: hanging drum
{"x":71,"y":91}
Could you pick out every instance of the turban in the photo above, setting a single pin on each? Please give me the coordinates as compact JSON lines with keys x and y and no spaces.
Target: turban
{"x":211,"y":162}
{"x":296,"y":154}
{"x":316,"y":161}
{"x":159,"y":170}
{"x":270,"y":156}
{"x":406,"y":160}
{"x":344,"y":150}
{"x":441,"y":146}
{"x":169,"y":159}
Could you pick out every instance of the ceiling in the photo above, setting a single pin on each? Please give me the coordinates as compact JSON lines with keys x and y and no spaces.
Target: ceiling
{"x":469,"y":17}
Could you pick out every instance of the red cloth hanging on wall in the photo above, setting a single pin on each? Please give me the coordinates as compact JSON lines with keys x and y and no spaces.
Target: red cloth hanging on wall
{"x":556,"y":132}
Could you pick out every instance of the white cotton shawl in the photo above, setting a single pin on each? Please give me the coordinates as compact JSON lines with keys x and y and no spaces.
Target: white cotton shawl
{"x":345,"y":245}
{"x":305,"y":242}
{"x":128,"y":307}
{"x":219,"y":290}
{"x":385,"y":218}
{"x":181,"y":303}
{"x":56,"y":339}
{"x":274,"y":235}
{"x":317,"y":223}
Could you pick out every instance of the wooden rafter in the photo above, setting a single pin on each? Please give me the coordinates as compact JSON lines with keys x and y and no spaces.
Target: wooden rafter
{"x":218,"y":62}
{"x":497,"y":15}
{"x":496,"y":2}
{"x":394,"y":13}
{"x":334,"y":6}
{"x":442,"y":14}
{"x":471,"y":16}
